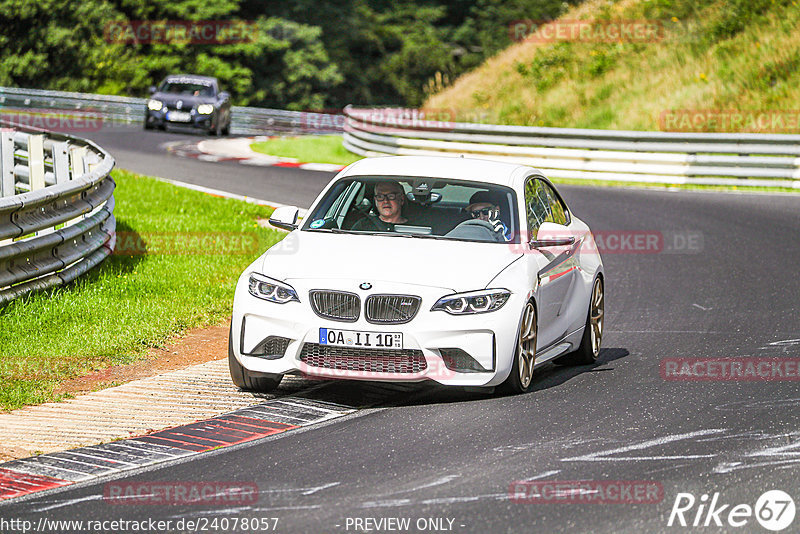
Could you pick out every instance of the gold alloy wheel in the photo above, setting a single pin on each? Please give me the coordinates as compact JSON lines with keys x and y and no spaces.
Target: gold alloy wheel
{"x":596,"y":316}
{"x":526,"y":346}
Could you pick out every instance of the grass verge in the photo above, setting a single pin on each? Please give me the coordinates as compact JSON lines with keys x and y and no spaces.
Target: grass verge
{"x":179,"y":254}
{"x":310,"y":148}
{"x":711,"y":55}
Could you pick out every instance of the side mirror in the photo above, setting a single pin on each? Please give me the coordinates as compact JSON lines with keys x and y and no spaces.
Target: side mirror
{"x":151,"y":89}
{"x":552,"y":235}
{"x":285,"y":217}
{"x":223,"y":95}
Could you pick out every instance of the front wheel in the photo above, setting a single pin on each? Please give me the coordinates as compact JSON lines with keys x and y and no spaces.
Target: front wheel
{"x":589,"y":349}
{"x":263,"y":383}
{"x":521,"y":376}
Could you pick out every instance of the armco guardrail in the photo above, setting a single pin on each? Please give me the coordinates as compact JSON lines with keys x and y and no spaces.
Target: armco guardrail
{"x":56,"y":209}
{"x":109,"y":110}
{"x":630,"y":156}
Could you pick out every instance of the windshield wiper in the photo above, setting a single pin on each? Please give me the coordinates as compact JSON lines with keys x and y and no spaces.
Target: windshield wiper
{"x":389,"y":234}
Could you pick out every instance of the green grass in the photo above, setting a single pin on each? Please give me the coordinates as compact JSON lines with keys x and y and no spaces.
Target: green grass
{"x":132,"y":302}
{"x":308,"y":149}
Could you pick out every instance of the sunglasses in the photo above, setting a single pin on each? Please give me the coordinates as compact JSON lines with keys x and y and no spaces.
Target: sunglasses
{"x":486,"y":212}
{"x":391,"y":197}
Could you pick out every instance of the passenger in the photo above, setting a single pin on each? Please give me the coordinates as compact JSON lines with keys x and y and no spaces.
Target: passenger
{"x":389,"y":200}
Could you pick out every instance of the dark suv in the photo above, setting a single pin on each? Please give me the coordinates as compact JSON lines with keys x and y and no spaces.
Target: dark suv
{"x":190,"y":101}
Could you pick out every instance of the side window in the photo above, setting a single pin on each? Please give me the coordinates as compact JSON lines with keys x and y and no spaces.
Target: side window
{"x":557,"y":209}
{"x":537,"y":206}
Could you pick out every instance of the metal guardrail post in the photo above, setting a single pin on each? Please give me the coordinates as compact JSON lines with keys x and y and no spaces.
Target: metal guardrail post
{"x":62,"y":225}
{"x":36,"y":162}
{"x":77,"y":155}
{"x":7,"y":186}
{"x":61,"y":162}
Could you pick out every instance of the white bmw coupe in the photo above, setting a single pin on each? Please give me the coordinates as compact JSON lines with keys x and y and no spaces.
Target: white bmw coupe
{"x":466,"y":272}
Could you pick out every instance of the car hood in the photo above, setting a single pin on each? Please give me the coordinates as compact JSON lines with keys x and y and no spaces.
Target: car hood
{"x":455,"y":265}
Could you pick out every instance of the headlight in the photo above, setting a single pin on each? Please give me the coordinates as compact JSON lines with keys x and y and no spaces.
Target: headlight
{"x":483,"y":301}
{"x":205,"y":109}
{"x":154,"y":105}
{"x":271,"y":290}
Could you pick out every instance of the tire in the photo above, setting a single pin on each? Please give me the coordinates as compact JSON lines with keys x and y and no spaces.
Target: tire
{"x":589,"y":349}
{"x":241,"y":377}
{"x":227,"y":130}
{"x":520,"y":379}
{"x":147,"y":125}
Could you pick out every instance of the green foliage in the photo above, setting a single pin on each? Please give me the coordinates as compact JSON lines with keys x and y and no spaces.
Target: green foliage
{"x":65,"y":46}
{"x":737,"y":15}
{"x":306,"y":54}
{"x":602,"y":61}
{"x":550,"y":66}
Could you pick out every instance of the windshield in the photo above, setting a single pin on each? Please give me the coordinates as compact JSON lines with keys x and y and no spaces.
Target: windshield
{"x":418,"y":207}
{"x":186,"y":89}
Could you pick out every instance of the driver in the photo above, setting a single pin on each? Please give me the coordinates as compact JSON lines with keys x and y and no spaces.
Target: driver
{"x":389,"y":200}
{"x":485,"y":206}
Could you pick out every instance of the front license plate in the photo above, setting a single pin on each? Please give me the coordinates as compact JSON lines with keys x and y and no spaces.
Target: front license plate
{"x":358,"y":339}
{"x":179,"y":116}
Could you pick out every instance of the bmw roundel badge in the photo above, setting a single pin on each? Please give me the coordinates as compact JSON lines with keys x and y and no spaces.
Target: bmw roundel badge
{"x":365,"y":285}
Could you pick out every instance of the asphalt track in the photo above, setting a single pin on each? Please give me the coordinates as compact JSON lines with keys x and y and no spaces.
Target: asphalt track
{"x":723,"y":283}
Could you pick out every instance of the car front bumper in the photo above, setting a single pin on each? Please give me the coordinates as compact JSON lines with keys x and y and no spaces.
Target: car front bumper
{"x":160,"y":118}
{"x":434,"y":342}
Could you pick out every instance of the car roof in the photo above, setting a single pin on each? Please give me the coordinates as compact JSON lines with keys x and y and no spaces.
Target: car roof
{"x":190,"y":78}
{"x":467,"y":169}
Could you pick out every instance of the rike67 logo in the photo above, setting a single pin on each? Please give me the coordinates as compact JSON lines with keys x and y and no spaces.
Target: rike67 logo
{"x":774,"y":510}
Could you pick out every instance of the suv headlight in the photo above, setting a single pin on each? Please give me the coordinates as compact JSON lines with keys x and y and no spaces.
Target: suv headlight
{"x":268,"y":289}
{"x":154,"y":105}
{"x":483,"y":301}
{"x":205,"y":109}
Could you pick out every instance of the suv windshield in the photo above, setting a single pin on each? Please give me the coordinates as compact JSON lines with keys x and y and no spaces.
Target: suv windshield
{"x":418,"y":207}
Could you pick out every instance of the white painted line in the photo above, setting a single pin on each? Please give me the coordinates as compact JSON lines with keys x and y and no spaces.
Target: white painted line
{"x":343,"y":410}
{"x":312,"y":491}
{"x":68,"y":502}
{"x":542,"y":475}
{"x":123,"y":464}
{"x":257,"y":162}
{"x":455,"y":500}
{"x":225,"y":194}
{"x":325,"y":167}
{"x":603,"y":456}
